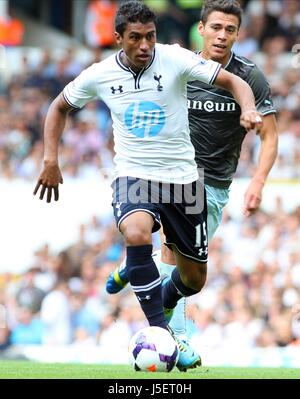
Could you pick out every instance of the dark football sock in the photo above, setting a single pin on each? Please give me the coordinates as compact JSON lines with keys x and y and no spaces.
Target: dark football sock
{"x":174,"y":289}
{"x":146,"y":283}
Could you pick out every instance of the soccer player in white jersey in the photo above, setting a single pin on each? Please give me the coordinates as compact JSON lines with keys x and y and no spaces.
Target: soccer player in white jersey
{"x":156,"y":179}
{"x":217,"y":136}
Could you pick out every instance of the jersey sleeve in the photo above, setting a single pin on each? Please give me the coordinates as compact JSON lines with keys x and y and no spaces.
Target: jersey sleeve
{"x":261,"y":91}
{"x":81,"y":90}
{"x":194,"y":67}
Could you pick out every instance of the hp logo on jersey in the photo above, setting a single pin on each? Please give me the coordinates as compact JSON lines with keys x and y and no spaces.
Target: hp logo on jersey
{"x":145,"y":119}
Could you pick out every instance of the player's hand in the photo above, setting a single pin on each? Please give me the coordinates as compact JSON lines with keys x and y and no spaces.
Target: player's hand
{"x":49,"y":180}
{"x":251,"y":119}
{"x":252,"y":197}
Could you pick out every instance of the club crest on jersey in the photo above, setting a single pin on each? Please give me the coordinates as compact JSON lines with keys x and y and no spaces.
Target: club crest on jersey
{"x":119,"y":89}
{"x":157,"y":78}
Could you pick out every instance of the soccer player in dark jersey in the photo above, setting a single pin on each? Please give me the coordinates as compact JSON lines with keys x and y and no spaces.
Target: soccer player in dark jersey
{"x":214,"y":118}
{"x":215,"y":129}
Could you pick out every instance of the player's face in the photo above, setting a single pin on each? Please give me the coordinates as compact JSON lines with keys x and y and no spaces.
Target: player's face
{"x":219,"y":34}
{"x":138,"y":43}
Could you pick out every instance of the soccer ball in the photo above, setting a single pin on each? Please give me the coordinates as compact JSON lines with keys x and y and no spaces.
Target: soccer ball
{"x":153,"y":349}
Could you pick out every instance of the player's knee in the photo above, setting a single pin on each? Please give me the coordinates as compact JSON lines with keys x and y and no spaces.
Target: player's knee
{"x":137,"y":236}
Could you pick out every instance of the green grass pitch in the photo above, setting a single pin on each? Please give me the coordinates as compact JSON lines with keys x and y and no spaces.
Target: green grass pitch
{"x":33,"y":370}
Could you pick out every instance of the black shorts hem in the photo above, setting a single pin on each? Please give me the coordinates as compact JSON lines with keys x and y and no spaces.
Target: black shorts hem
{"x":169,"y":245}
{"x":157,"y":224}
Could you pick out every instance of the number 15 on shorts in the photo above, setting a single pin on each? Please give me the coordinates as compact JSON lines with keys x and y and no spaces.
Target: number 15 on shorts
{"x":201,"y":238}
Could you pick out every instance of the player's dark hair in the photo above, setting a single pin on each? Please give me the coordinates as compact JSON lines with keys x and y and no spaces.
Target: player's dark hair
{"x":226,"y":6}
{"x":130,"y":12}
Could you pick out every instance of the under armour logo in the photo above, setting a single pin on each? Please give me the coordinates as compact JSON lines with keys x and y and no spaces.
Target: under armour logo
{"x":146,"y":298}
{"x":120,"y":90}
{"x":157,"y":78}
{"x":203,"y":252}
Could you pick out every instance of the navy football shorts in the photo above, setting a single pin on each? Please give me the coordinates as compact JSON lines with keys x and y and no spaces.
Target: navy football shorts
{"x":180,"y":208}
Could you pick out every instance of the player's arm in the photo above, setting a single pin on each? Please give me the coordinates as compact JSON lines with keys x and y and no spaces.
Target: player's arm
{"x":243,"y":94}
{"x":51,"y":176}
{"x":267,"y":156}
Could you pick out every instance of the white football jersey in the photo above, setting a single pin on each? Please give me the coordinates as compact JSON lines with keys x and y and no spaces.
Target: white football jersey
{"x":148,"y":109}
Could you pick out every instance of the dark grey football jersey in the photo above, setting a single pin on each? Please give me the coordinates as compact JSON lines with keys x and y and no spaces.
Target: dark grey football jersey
{"x":214,"y":118}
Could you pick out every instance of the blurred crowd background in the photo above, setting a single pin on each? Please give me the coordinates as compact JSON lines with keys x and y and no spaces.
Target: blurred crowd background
{"x":254,"y":264}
